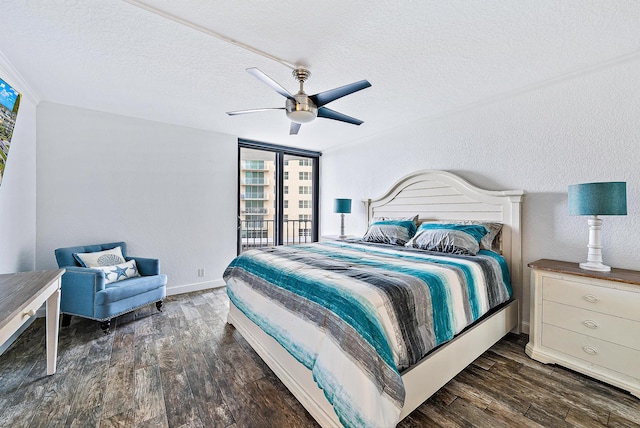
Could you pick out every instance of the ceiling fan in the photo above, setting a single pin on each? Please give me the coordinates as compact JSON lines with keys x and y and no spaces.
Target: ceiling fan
{"x":302,"y":108}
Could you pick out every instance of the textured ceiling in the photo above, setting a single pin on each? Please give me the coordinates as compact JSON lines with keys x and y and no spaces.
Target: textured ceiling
{"x":423,"y":58}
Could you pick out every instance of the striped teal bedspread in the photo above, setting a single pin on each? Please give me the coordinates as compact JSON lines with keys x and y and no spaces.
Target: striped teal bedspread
{"x":359,"y":314}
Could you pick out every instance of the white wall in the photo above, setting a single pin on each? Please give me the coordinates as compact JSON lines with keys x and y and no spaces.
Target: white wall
{"x":168,"y":191}
{"x":18,"y":188}
{"x":582,"y":129}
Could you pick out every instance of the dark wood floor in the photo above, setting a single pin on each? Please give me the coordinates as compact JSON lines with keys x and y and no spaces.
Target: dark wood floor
{"x":186,"y":367}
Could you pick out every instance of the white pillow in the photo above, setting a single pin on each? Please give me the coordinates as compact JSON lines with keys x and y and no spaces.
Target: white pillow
{"x":100,"y":258}
{"x":119,"y":272}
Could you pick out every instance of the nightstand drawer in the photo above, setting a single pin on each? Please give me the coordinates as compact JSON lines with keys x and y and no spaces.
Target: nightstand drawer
{"x":594,"y":351}
{"x":620,"y":303}
{"x":607,"y":327}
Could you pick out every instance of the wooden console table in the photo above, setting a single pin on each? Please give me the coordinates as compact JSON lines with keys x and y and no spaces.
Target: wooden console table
{"x":21,"y":294}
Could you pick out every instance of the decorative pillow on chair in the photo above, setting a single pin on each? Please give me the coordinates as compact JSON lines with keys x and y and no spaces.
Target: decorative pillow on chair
{"x":395,"y":232}
{"x":119,"y":272}
{"x":449,"y":238}
{"x":100,"y":258}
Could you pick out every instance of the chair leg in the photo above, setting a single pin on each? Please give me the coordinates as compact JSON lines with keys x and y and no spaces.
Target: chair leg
{"x":66,"y":320}
{"x":159,"y":306}
{"x":106,"y":326}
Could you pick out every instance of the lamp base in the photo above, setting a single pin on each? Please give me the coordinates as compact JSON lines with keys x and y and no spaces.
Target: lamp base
{"x":595,"y":266}
{"x":342,"y":235}
{"x":594,"y":256}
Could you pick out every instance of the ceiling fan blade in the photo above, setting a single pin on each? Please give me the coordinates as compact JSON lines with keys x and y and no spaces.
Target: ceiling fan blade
{"x":253,"y":110}
{"x":269,"y":82}
{"x":326,"y":97}
{"x":294,"y":128}
{"x":327,"y":113}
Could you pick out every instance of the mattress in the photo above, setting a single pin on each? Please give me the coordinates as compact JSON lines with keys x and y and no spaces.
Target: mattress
{"x":357,"y":315}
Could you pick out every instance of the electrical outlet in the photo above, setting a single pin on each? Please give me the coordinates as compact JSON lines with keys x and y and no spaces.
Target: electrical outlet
{"x":201,"y":272}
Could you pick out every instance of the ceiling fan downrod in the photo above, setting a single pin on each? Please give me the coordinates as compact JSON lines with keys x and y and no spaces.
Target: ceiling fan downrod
{"x":301,"y":109}
{"x":301,"y":75}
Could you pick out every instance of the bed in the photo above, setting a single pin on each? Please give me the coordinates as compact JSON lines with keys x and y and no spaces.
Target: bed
{"x":434,"y":196}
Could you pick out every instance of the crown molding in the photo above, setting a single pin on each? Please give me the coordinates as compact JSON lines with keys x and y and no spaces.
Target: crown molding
{"x":16,"y":80}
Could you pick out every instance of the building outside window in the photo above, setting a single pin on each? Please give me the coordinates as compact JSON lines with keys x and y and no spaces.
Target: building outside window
{"x":261,"y":180}
{"x":253,"y":165}
{"x":254,"y":177}
{"x":254,"y":207}
{"x":254,"y":192}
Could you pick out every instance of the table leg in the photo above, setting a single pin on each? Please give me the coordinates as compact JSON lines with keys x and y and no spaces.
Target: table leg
{"x":53,"y":315}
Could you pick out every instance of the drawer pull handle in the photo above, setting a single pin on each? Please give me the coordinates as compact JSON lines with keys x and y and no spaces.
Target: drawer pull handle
{"x":590,"y":298}
{"x":590,"y":324}
{"x":590,"y":350}
{"x":29,"y":313}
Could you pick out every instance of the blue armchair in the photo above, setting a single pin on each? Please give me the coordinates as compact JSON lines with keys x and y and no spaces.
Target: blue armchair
{"x":86,"y":292}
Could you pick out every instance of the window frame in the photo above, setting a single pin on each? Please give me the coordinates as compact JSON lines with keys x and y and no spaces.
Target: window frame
{"x":314,"y":176}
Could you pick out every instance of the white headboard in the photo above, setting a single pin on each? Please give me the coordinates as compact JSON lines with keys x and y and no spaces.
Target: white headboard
{"x":441,"y":195}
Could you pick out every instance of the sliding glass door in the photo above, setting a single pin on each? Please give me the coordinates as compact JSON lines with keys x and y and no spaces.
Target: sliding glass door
{"x":257,"y":198}
{"x":278,"y":195}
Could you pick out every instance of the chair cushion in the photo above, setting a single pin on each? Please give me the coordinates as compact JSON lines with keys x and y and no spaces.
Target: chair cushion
{"x":129,"y":287}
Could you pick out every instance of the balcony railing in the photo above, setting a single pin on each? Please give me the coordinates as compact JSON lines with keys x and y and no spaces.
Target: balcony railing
{"x":255,"y":181}
{"x":255,"y":196}
{"x":261,"y":233}
{"x":261,"y":211}
{"x":254,"y":166}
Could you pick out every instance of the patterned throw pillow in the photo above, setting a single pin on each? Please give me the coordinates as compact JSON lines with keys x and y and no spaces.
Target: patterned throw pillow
{"x":449,"y":238}
{"x":394,"y":232}
{"x":490,"y":241}
{"x":413,"y":218}
{"x":100,"y":258}
{"x":119,"y":272}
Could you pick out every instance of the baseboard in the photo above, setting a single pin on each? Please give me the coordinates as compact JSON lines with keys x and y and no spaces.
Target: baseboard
{"x":197,"y":286}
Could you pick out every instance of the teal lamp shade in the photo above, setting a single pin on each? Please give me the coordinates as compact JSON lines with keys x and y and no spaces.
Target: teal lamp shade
{"x":596,"y":199}
{"x":342,"y":206}
{"x":608,"y":198}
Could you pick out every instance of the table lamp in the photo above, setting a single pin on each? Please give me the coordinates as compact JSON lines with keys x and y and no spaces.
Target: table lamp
{"x":595,"y":199}
{"x":342,"y":206}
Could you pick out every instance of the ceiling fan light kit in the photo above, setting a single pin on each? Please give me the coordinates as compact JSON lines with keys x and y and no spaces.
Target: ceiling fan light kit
{"x":302,"y":108}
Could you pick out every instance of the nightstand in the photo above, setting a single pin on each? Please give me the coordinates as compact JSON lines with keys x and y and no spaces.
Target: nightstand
{"x":587,"y":321}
